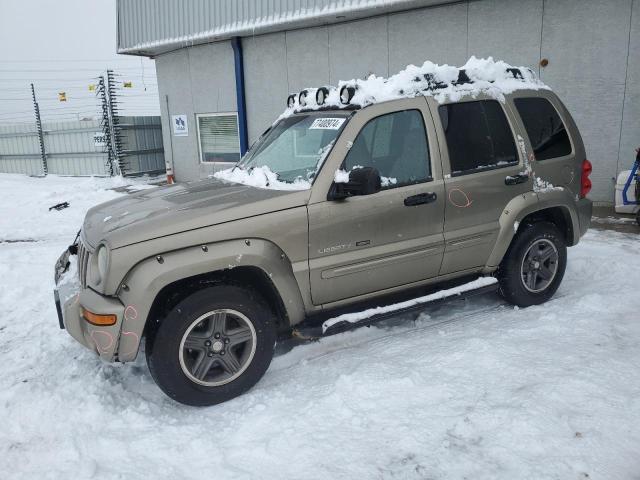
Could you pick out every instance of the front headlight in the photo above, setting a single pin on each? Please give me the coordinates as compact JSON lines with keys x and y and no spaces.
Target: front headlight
{"x":103,"y":262}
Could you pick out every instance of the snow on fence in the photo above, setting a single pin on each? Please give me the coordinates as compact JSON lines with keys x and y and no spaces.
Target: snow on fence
{"x":77,"y":147}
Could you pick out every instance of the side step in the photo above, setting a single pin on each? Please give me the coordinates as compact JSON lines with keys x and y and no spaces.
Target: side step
{"x":350,"y":321}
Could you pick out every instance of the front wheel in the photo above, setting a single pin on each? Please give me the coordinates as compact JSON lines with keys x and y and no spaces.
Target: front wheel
{"x":213,"y":346}
{"x":534,"y":265}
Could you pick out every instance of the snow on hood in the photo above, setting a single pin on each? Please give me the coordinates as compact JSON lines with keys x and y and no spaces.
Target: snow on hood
{"x":260,"y":177}
{"x":487,"y":76}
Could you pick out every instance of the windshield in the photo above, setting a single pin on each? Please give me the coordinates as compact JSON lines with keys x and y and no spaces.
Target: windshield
{"x":295,"y":147}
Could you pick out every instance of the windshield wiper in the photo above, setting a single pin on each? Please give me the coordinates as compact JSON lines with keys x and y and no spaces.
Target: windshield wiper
{"x":265,"y":176}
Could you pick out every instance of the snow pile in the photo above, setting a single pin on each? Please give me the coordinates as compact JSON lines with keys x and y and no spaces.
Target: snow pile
{"x":341,"y":176}
{"x":260,"y":177}
{"x":540,"y":185}
{"x":70,"y":279}
{"x":614,"y":220}
{"x":439,"y":295}
{"x":388,"y":181}
{"x":442,"y":82}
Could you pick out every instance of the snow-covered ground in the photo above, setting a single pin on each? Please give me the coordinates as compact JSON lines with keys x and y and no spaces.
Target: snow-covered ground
{"x":474,"y":389}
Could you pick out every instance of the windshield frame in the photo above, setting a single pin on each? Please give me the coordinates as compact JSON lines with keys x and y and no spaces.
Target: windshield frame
{"x":346,"y":114}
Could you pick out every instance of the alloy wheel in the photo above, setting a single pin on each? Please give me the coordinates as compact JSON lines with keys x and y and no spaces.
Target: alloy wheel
{"x":539,"y":265}
{"x":217,"y":347}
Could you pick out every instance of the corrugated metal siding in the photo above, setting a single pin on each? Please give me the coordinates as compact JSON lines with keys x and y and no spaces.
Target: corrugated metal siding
{"x":150,"y":27}
{"x":20,"y":150}
{"x":31,"y":165}
{"x":71,"y":150}
{"x":142,"y":139}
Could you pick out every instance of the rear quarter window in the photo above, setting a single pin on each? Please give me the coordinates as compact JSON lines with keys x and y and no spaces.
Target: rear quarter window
{"x":547,"y":133}
{"x":478,"y":136}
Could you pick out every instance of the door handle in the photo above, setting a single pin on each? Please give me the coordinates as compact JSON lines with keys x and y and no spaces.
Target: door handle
{"x":420,"y":199}
{"x":516,"y":179}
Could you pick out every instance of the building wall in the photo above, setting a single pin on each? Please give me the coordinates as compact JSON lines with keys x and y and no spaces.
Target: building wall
{"x":591,"y":47}
{"x":151,"y":27}
{"x":587,"y":44}
{"x":630,"y":134}
{"x":191,"y":81}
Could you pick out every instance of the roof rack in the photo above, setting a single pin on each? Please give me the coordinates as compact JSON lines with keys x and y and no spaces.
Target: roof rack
{"x":430,"y":79}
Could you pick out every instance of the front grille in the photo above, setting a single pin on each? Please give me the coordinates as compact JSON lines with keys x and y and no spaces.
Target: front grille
{"x":83,"y":263}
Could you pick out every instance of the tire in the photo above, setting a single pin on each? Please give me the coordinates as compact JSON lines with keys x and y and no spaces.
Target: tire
{"x":212,"y":346}
{"x":534,"y":265}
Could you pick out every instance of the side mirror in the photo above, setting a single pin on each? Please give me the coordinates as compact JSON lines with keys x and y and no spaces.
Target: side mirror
{"x":362,"y":181}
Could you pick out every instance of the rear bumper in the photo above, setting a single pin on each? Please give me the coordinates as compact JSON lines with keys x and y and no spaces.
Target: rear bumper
{"x":584,"y":207}
{"x":70,"y":298}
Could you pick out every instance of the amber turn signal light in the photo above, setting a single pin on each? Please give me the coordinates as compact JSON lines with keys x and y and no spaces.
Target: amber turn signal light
{"x":99,"y":320}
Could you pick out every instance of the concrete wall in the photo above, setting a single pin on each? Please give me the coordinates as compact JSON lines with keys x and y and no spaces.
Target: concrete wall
{"x":592,"y":48}
{"x":587,"y":68}
{"x":190,"y":81}
{"x":630,"y":135}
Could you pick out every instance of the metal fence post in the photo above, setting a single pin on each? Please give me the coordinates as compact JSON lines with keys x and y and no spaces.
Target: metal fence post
{"x":114,"y":117}
{"x":106,"y":125}
{"x":36,"y":108}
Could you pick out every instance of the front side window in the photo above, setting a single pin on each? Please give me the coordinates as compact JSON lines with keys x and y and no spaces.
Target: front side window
{"x":218,"y":136}
{"x":295,"y":148}
{"x":396,"y":145}
{"x":478,"y":136}
{"x":547,"y":133}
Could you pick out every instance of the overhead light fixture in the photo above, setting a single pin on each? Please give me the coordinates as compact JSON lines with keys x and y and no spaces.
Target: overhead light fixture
{"x":302,"y":98}
{"x":517,"y":74}
{"x":321,"y":95}
{"x":291,"y":100}
{"x":346,"y":94}
{"x":462,"y":77}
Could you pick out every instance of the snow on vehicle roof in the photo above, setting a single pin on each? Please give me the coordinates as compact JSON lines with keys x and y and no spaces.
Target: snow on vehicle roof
{"x":442,"y":82}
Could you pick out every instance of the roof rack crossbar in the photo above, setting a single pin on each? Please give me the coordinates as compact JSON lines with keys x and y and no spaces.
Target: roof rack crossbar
{"x":424,"y":82}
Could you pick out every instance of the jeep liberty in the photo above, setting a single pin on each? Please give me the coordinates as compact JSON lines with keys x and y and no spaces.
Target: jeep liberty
{"x":349,"y":197}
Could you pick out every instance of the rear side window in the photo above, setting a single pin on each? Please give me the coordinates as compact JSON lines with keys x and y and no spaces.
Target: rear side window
{"x":478,"y":136}
{"x":395,"y":144}
{"x":544,"y":126}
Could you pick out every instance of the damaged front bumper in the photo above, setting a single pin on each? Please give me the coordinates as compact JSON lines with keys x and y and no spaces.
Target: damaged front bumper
{"x":71,"y":298}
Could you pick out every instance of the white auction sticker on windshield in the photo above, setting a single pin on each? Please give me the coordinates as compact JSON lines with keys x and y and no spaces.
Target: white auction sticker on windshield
{"x":327,"y":123}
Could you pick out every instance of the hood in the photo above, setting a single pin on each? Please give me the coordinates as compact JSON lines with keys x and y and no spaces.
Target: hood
{"x":181,"y":207}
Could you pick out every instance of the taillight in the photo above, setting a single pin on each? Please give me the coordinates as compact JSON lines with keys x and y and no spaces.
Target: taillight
{"x":585,"y":182}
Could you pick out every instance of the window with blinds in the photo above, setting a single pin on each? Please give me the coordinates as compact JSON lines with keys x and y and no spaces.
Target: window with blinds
{"x":218,"y":136}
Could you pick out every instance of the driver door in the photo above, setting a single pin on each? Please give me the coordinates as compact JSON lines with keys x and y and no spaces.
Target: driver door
{"x":364,"y":244}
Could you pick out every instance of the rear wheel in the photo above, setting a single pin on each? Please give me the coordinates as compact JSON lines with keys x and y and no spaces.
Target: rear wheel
{"x":214,"y":345}
{"x":534,"y":265}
